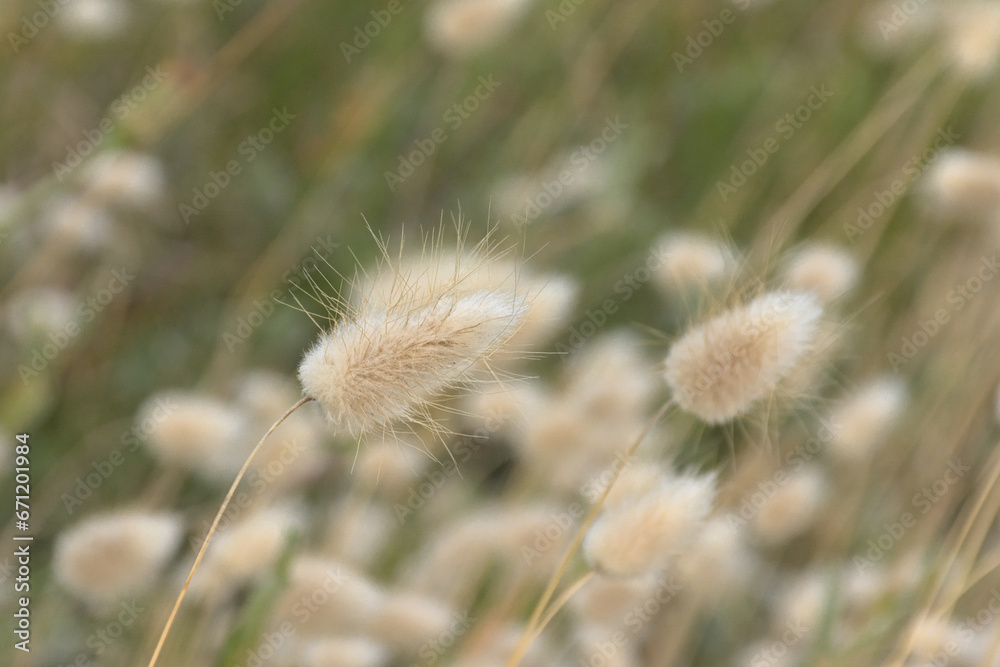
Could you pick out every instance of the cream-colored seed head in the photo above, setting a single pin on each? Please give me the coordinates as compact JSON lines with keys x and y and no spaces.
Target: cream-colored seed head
{"x":721,"y":368}
{"x":93,"y":20}
{"x":196,"y":433}
{"x":690,"y":261}
{"x":370,"y":534}
{"x":340,"y":599}
{"x":126,"y":176}
{"x":106,"y":556}
{"x":377,"y":369}
{"x":77,"y":223}
{"x":864,"y":419}
{"x":793,"y":506}
{"x":505,"y":408}
{"x":972,"y":36}
{"x":719,"y":561}
{"x":406,"y":620}
{"x":803,"y":599}
{"x":611,"y":379}
{"x":420,"y":280}
{"x":344,"y":652}
{"x":246,"y":551}
{"x":37,"y":312}
{"x":606,"y":602}
{"x":964,"y":185}
{"x":459,"y":28}
{"x":635,"y":480}
{"x":824,"y":269}
{"x":550,"y":302}
{"x":391,"y":465}
{"x":643,"y":533}
{"x":934,"y":637}
{"x":452,"y":564}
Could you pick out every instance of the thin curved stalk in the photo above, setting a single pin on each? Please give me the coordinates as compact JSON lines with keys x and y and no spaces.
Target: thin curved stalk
{"x":215,"y":524}
{"x":528,"y":635}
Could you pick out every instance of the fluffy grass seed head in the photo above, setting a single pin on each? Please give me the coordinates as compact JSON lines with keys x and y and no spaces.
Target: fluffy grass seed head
{"x":863,"y":419}
{"x":378,"y":368}
{"x":196,"y":433}
{"x":352,"y":599}
{"x":824,"y":269}
{"x":109,"y":555}
{"x":459,"y":28}
{"x":130,"y":177}
{"x":964,"y":185}
{"x":972,"y":37}
{"x":344,"y":652}
{"x":247,"y":551}
{"x":719,"y":562}
{"x":719,"y":369}
{"x":691,"y":261}
{"x":407,"y":620}
{"x":641,"y":534}
{"x":793,"y":507}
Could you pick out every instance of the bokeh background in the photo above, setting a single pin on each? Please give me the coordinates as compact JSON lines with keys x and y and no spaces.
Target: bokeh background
{"x":173,"y":173}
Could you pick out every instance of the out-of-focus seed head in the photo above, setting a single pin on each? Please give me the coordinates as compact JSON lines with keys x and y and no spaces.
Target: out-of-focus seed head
{"x":344,"y":652}
{"x":864,"y":419}
{"x":641,"y":534}
{"x":110,"y":555}
{"x":963,"y":185}
{"x":721,"y":368}
{"x":459,"y":28}
{"x":793,"y":505}
{"x":196,"y":433}
{"x":824,"y":269}
{"x":691,"y":261}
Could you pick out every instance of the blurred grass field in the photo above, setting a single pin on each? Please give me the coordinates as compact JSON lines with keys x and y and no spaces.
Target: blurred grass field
{"x":277,"y":140}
